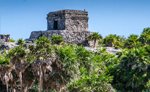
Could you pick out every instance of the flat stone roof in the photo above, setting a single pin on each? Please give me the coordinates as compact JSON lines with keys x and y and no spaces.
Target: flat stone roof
{"x":69,"y":11}
{"x":4,"y":34}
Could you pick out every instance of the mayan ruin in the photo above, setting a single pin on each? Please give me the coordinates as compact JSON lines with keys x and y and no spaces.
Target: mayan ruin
{"x":71,"y":24}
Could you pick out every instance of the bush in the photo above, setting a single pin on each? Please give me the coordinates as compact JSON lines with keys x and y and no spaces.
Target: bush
{"x":11,"y":40}
{"x":20,"y":42}
{"x":132,"y":74}
{"x":56,"y":39}
{"x":4,"y":59}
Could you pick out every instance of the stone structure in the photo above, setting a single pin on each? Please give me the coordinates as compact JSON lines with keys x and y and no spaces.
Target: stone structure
{"x":71,"y":24}
{"x":70,"y":37}
{"x":70,"y":20}
{"x":4,"y":38}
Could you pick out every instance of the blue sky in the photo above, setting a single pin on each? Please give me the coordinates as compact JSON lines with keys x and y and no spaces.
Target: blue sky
{"x":122,"y":17}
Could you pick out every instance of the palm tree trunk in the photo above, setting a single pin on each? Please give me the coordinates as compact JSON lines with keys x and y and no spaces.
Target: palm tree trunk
{"x":40,"y":80}
{"x":20,"y":76}
{"x":6,"y":81}
{"x":26,"y":89}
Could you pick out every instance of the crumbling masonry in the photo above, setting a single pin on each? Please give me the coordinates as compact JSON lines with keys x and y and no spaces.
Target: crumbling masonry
{"x":71,"y":24}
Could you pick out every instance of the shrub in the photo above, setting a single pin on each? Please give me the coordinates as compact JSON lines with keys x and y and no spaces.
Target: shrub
{"x":56,"y":39}
{"x":11,"y":40}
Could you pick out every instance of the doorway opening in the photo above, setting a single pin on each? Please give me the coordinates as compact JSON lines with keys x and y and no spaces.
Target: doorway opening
{"x":55,"y":25}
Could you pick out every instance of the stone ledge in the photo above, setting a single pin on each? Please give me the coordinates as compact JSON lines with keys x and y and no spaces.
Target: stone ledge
{"x":68,"y":11}
{"x":68,"y":36}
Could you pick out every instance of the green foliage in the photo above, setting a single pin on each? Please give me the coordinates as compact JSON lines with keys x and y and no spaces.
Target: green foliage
{"x":17,"y":51}
{"x":113,"y":41}
{"x":4,"y":59}
{"x":56,"y":39}
{"x":20,"y":42}
{"x":96,"y":79}
{"x":90,"y":83}
{"x":132,"y":74}
{"x":94,"y":37}
{"x":132,"y":42}
{"x":42,"y":49}
{"x":84,"y":58}
{"x":145,"y":36}
{"x":68,"y":58}
{"x":79,"y":70}
{"x":11,"y":40}
{"x":42,"y":42}
{"x":111,"y":61}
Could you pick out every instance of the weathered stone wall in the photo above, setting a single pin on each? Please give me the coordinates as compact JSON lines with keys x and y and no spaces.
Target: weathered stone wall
{"x":69,"y":36}
{"x":76,"y":21}
{"x":69,"y":20}
{"x":71,"y":24}
{"x":60,"y":18}
{"x":4,"y":38}
{"x":35,"y":35}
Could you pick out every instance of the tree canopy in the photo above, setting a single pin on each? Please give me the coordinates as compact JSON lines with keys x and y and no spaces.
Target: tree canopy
{"x":47,"y":67}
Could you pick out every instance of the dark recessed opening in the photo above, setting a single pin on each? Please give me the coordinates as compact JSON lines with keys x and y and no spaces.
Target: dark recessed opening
{"x":55,"y":25}
{"x":2,"y":37}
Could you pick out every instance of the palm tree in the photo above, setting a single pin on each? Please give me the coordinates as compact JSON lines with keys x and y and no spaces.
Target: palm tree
{"x":113,"y":41}
{"x":18,"y":60}
{"x":20,"y":42}
{"x":42,"y":54}
{"x":145,"y":36}
{"x":42,"y":48}
{"x":132,"y":41}
{"x":94,"y":37}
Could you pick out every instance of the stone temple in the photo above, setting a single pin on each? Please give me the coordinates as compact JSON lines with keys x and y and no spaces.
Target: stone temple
{"x":70,"y":20}
{"x":71,"y":24}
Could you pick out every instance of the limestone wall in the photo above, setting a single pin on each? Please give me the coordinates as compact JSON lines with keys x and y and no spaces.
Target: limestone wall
{"x":71,"y":24}
{"x":69,"y":20}
{"x":60,"y":18}
{"x":4,"y":38}
{"x":76,"y":22}
{"x":69,"y":36}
